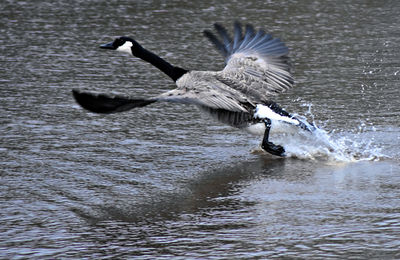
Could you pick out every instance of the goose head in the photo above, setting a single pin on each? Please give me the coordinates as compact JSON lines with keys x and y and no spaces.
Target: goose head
{"x":123,"y":44}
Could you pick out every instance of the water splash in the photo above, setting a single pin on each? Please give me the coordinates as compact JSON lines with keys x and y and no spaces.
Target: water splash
{"x":318,"y":144}
{"x":321,"y":145}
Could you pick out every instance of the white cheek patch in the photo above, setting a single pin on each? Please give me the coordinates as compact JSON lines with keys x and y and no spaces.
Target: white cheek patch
{"x":266,"y":112}
{"x":126,"y":47}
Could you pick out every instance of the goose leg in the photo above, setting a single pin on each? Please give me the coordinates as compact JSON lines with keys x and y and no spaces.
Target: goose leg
{"x":268,"y":146}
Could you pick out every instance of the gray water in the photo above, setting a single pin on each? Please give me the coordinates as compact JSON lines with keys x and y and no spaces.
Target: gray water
{"x":166,"y":182}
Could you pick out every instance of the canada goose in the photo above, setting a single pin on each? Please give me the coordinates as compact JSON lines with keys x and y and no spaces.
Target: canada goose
{"x":257,"y":68}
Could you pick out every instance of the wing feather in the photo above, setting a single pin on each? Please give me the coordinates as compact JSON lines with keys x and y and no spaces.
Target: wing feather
{"x":235,"y":119}
{"x":214,"y":40}
{"x":210,"y":98}
{"x":256,"y":63}
{"x":223,"y":34}
{"x":237,"y":36}
{"x":203,"y":88}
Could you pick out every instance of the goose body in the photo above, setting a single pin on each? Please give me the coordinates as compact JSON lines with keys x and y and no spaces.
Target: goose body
{"x":257,"y":68}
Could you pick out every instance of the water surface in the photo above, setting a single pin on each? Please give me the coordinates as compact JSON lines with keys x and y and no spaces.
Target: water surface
{"x":165,"y":181}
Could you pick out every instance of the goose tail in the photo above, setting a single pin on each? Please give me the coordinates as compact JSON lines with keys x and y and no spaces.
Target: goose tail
{"x":104,"y":104}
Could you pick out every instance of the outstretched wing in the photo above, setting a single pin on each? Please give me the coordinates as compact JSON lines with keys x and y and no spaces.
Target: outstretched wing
{"x":105,"y":104}
{"x":231,"y":113}
{"x":256,"y":63}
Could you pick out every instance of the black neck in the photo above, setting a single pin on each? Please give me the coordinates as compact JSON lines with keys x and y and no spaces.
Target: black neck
{"x":173,"y":72}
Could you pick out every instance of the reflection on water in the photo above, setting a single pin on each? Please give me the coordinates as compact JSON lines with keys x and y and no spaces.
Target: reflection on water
{"x":269,"y":205}
{"x":195,"y":194}
{"x":167,"y":182}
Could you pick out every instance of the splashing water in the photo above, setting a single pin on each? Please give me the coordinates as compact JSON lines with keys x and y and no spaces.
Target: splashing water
{"x":319,"y":145}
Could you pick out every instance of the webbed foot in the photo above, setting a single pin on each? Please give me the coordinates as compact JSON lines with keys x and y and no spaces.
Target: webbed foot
{"x":273,"y":149}
{"x":267,"y":145}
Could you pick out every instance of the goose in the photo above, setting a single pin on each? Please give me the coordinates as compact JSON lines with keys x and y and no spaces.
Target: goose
{"x":257,"y":68}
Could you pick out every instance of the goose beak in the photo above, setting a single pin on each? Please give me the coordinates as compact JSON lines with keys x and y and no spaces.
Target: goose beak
{"x":109,"y":46}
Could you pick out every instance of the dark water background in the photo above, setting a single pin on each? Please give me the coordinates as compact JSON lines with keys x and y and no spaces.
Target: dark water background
{"x":165,"y":181}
